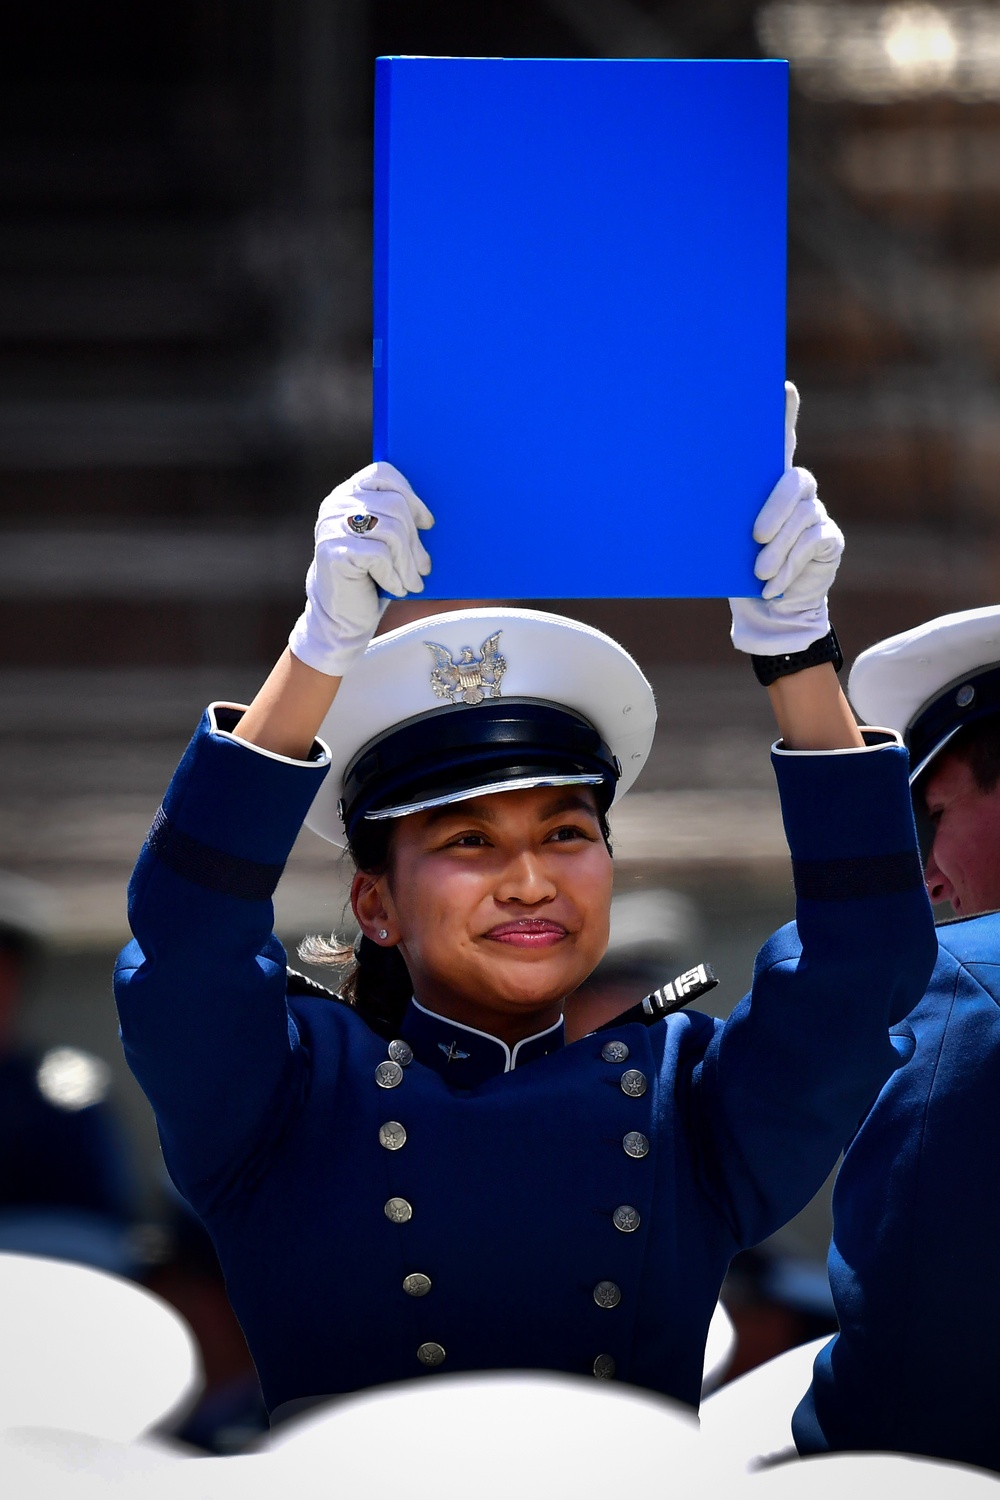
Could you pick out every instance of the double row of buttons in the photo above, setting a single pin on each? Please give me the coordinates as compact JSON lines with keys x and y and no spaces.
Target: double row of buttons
{"x":626,"y":1218}
{"x":392,"y":1137}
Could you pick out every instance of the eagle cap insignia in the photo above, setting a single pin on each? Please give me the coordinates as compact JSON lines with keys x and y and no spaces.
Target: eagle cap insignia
{"x":467,"y":678}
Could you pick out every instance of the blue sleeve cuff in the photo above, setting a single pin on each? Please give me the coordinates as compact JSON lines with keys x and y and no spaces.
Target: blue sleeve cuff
{"x":232,"y":813}
{"x":849,"y":822}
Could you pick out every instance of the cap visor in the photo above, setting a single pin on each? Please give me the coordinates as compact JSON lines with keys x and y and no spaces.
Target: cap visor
{"x":932,"y":754}
{"x":481,"y":789}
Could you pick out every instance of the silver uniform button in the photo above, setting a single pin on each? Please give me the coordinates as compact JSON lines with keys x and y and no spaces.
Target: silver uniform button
{"x":607,"y":1294}
{"x":417,"y":1284}
{"x":604,"y":1367}
{"x":633,"y":1083}
{"x":392,"y":1135}
{"x":401,"y":1052}
{"x":626,"y":1218}
{"x":636,"y":1144}
{"x":398,"y":1210}
{"x":614,"y":1052}
{"x":430,"y":1354}
{"x":388,"y":1075}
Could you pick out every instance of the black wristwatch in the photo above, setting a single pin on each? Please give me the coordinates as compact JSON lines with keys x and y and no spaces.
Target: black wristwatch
{"x":768,"y":669}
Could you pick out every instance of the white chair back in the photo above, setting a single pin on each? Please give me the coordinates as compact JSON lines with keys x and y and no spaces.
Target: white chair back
{"x":89,"y":1351}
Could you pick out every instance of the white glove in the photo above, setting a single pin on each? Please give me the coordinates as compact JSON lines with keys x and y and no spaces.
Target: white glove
{"x":798,"y":561}
{"x":343,"y":606}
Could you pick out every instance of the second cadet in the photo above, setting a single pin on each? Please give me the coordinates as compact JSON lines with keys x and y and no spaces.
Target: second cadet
{"x":916,"y":1239}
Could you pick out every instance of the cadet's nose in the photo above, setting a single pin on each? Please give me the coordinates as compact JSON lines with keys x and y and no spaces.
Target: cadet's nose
{"x":524,"y":879}
{"x":936,"y":882}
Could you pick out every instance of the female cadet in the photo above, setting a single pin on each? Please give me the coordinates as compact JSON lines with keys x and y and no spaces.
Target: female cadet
{"x":432,"y":1179}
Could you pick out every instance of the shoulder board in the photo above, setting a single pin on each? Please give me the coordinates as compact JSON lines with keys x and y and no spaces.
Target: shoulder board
{"x":673,"y":995}
{"x":301,"y":984}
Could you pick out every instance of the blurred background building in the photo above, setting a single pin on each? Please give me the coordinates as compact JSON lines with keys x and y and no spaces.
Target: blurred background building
{"x":184,"y":306}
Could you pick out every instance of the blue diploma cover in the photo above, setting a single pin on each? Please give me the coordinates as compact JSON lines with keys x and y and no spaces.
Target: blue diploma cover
{"x":579,"y":318}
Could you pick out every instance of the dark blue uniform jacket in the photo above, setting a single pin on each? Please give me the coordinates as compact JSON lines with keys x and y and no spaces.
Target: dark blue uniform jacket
{"x":270,"y":1112}
{"x":915,"y":1261}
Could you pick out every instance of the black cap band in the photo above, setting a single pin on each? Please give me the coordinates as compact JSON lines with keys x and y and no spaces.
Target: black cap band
{"x":962,"y":702}
{"x":448,"y":752}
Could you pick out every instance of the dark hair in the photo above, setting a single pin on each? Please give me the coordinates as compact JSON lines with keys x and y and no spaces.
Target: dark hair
{"x":375,"y":980}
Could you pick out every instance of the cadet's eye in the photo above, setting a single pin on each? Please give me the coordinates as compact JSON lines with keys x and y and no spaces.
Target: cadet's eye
{"x":567,"y":833}
{"x":468,"y":841}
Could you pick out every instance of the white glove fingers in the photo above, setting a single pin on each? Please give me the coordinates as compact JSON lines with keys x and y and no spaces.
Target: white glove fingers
{"x":421,"y":557}
{"x":367,"y":493}
{"x":343,"y":503}
{"x":770,"y":559}
{"x":791,"y":417}
{"x":406,"y":514}
{"x":381,"y":475}
{"x":355,"y":570}
{"x":404,"y":581}
{"x":379,"y":557}
{"x":342,"y":554}
{"x":385,"y":476}
{"x":814,"y":558}
{"x":389,"y":509}
{"x":407,"y":553}
{"x":421,"y":515}
{"x":794,"y":486}
{"x":806,"y":514}
{"x":401,"y":525}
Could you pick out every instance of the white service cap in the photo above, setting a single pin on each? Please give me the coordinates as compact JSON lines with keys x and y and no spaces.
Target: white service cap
{"x":476,"y":701}
{"x":929,"y":682}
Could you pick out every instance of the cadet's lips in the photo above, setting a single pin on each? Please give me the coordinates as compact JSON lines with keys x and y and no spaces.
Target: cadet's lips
{"x":527,"y":932}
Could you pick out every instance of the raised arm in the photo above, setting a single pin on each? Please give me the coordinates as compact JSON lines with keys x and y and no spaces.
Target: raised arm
{"x":787,"y":1079}
{"x":201,"y":991}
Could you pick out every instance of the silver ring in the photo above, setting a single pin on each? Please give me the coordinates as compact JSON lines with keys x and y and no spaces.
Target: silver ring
{"x":360,"y":524}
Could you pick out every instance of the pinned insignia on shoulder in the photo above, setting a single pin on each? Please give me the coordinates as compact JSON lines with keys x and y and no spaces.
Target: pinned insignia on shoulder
{"x":690,"y":985}
{"x":301,"y":984}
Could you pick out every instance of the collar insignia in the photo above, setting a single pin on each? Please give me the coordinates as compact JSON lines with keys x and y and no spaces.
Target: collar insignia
{"x":453,"y":1052}
{"x":468,"y":679}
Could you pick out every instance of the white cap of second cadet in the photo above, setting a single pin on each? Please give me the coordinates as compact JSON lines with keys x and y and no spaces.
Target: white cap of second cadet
{"x":477,"y":701}
{"x":929,"y":682}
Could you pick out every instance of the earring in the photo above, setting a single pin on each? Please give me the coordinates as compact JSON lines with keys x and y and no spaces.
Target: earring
{"x":383,"y":932}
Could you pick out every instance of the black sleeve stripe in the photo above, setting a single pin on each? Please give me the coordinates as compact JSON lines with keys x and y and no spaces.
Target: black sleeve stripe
{"x":857,"y":879}
{"x":226,"y":874}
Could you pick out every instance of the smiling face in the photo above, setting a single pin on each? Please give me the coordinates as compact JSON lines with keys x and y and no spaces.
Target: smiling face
{"x":500,"y":905}
{"x":963,"y":865}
